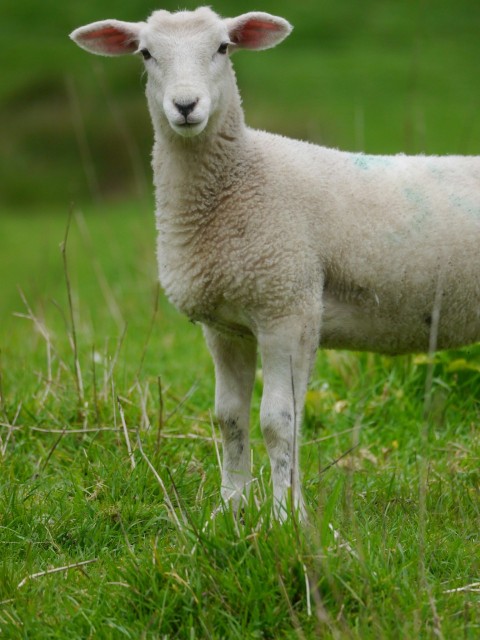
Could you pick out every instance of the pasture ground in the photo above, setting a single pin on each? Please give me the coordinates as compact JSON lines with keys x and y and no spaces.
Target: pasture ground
{"x":109,"y":457}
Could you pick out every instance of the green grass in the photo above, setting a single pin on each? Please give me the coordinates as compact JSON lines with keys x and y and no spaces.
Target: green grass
{"x":404,"y":503}
{"x":78,"y":375}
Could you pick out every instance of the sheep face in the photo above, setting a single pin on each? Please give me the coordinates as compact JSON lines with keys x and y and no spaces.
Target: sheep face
{"x":187,"y":62}
{"x":186,"y":57}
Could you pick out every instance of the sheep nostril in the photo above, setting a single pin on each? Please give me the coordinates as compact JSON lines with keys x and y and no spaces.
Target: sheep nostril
{"x":185,"y":108}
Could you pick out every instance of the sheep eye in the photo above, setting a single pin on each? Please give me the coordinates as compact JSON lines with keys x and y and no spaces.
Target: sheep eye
{"x":223,"y":48}
{"x":146,"y":54}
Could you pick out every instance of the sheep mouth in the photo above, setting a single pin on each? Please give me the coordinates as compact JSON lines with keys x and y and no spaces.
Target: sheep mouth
{"x":188,"y":129}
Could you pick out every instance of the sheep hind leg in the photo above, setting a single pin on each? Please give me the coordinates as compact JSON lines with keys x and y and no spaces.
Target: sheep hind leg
{"x":235,"y":363}
{"x":288,"y":353}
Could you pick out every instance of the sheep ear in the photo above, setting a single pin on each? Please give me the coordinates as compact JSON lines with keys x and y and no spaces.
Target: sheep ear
{"x":108,"y":37}
{"x":257,"y":30}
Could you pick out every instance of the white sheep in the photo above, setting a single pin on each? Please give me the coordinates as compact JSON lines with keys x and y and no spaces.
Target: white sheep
{"x":286,"y":245}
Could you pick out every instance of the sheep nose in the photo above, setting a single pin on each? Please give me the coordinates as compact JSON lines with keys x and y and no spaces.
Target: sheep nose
{"x":185,"y":108}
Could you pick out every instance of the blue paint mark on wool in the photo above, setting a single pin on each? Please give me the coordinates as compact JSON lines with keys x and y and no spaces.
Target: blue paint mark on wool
{"x":465,"y":205}
{"x":366,"y":162}
{"x":421,"y":204}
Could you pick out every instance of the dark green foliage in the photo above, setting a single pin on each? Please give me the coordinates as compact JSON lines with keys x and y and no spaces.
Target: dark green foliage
{"x":380,"y":76}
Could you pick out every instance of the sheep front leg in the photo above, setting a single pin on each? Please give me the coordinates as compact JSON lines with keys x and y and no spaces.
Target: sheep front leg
{"x":235,"y":362}
{"x":288,"y":353}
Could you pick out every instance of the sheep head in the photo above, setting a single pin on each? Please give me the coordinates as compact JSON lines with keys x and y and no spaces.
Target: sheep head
{"x":186,"y":56}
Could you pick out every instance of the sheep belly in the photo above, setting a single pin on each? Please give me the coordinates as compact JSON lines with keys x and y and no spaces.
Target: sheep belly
{"x":347,"y":325}
{"x":412,"y":244}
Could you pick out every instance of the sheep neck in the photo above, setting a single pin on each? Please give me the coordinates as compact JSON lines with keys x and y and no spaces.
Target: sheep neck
{"x":193,"y":176}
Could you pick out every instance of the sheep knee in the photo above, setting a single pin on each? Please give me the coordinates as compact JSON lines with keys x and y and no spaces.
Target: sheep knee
{"x":277,"y":426}
{"x":278,"y":433}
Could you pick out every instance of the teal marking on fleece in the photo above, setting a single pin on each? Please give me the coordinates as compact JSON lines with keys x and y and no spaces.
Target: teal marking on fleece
{"x":421,"y":210}
{"x":436,"y":172}
{"x":421,"y":203}
{"x":465,"y":205}
{"x":366,"y":162}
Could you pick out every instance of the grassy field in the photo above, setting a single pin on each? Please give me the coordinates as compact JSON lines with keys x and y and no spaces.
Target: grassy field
{"x":109,"y":457}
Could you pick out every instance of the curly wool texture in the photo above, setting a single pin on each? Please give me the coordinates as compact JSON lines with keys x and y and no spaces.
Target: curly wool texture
{"x":264,"y":224}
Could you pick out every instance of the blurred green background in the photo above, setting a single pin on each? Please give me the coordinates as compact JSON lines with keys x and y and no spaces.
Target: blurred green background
{"x":381,"y":76}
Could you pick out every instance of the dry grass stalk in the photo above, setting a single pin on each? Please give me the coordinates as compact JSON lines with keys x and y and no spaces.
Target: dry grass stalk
{"x":67,"y":567}
{"x":125,"y":433}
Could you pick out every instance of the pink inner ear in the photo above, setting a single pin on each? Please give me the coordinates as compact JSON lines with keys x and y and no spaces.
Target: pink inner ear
{"x":112,"y":40}
{"x":254,"y":33}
